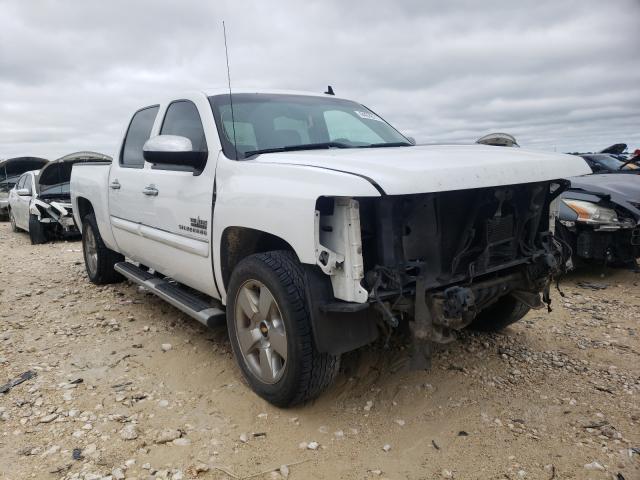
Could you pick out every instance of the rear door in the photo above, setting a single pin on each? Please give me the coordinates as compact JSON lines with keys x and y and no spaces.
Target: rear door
{"x":177,"y":213}
{"x":126,"y":185}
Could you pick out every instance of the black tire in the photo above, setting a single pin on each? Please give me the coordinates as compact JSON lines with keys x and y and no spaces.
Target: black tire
{"x":500,"y":315}
{"x":37,"y":232}
{"x":105,"y":259}
{"x":307,"y":372}
{"x":12,"y":219}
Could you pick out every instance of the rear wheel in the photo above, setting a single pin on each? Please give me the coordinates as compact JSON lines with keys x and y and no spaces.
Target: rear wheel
{"x":37,"y":232}
{"x":270,"y":330}
{"x":14,"y":227}
{"x":98,"y":259}
{"x":500,"y":315}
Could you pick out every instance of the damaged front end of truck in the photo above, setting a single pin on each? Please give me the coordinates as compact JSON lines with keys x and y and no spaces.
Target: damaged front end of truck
{"x":439,"y":261}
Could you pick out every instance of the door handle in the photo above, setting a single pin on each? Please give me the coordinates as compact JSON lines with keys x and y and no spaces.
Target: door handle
{"x":115,"y":185}
{"x":150,"y":191}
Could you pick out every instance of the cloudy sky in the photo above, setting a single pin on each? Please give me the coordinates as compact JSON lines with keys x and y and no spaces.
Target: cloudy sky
{"x":558,"y":75}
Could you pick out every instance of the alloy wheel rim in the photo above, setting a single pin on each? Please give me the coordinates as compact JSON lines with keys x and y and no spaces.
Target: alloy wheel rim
{"x":260,"y":331}
{"x":91,"y":251}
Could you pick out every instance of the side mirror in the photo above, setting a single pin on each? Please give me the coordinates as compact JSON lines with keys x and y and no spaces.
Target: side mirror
{"x":173,"y":150}
{"x":23,"y":192}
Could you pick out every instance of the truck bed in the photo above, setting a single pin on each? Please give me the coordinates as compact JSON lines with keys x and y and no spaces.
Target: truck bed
{"x":89,"y":186}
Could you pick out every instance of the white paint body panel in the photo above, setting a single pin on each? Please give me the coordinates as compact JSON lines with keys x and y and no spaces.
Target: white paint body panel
{"x":277,"y":199}
{"x":277,"y":193}
{"x":91,"y":182}
{"x":20,"y":204}
{"x":181,"y":254}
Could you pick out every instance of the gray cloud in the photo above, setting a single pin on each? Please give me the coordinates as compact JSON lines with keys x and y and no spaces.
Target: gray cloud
{"x":558,"y":75}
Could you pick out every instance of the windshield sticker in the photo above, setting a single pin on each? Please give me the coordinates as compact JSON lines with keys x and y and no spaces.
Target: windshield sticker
{"x":368,"y":116}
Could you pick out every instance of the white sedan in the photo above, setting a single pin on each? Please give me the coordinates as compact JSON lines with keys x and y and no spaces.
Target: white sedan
{"x":33,"y":209}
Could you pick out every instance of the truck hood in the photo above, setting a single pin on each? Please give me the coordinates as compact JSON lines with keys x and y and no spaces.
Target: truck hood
{"x":437,"y":168}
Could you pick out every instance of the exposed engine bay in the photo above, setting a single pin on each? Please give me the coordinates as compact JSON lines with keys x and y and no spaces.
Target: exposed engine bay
{"x":56,"y":215}
{"x":437,"y":260}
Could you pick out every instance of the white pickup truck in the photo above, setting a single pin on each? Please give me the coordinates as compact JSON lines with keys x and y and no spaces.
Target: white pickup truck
{"x":312,"y":226}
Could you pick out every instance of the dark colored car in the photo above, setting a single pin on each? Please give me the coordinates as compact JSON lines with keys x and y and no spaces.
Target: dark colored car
{"x":599,"y":217}
{"x":612,"y":160}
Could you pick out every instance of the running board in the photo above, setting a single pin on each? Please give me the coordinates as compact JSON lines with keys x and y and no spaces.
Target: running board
{"x":190,"y":304}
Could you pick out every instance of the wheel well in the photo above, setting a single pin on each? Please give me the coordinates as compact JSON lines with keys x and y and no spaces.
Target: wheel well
{"x":238,"y":243}
{"x":84,"y":208}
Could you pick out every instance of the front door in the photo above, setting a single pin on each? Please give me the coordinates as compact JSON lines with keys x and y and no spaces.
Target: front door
{"x":178,"y":205}
{"x":126,"y":186}
{"x":22,"y":202}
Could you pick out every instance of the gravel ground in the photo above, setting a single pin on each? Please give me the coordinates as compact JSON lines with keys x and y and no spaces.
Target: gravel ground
{"x":128,"y":387}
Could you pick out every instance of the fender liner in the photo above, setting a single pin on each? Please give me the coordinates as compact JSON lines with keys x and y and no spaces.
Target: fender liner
{"x":336,"y":332}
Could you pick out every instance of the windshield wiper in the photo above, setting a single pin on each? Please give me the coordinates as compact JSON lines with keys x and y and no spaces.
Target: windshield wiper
{"x":390,"y":144}
{"x":293,"y":148}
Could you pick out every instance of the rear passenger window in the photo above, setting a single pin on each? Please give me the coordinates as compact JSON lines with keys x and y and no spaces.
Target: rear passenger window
{"x":182,"y":118}
{"x":138,"y":133}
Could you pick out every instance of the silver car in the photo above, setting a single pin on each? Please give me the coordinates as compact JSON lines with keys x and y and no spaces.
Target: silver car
{"x":40,"y":202}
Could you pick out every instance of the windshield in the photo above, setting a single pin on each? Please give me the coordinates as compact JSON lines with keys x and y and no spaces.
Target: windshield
{"x":54,"y":180}
{"x":291,"y":122}
{"x":609,"y":162}
{"x":60,"y":189}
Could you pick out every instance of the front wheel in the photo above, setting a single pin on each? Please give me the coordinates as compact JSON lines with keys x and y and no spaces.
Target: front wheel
{"x":500,"y":315}
{"x":37,"y":232}
{"x":270,"y":330}
{"x":98,"y":259}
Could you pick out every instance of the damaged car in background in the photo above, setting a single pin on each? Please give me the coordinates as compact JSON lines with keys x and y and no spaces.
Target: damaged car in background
{"x":40,"y":202}
{"x":10,"y":171}
{"x":612,"y":160}
{"x":599,"y":217}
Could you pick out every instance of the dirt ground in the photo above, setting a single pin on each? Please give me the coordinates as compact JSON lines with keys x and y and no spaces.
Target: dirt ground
{"x":554,"y":397}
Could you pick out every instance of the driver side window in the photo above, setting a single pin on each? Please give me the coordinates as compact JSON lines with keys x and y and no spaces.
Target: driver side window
{"x":182,"y":119}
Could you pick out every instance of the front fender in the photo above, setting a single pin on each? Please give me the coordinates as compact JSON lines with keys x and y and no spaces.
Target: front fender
{"x":278,"y":199}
